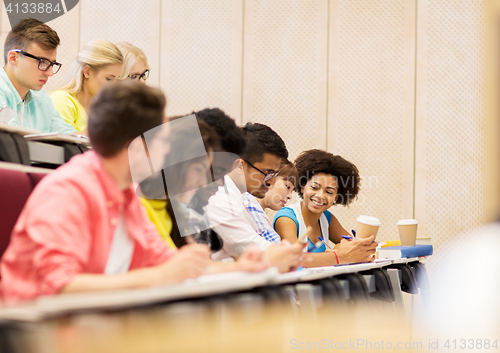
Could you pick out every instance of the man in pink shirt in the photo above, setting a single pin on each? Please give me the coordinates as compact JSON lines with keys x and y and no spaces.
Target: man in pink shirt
{"x":83,"y":228}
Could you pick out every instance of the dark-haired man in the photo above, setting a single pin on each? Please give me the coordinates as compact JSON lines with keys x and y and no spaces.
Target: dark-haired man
{"x":30,"y":52}
{"x":255,"y":173}
{"x":233,"y":142}
{"x":82,"y":228}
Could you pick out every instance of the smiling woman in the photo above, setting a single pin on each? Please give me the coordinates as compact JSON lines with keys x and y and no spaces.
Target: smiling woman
{"x":324,"y":180}
{"x":97,"y":63}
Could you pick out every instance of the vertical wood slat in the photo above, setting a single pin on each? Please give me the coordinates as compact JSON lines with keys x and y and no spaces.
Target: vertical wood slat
{"x":421,"y":117}
{"x":291,"y":96}
{"x":450,"y":179}
{"x":124,"y":20}
{"x":201,"y":51}
{"x":370,"y":122}
{"x":67,"y":27}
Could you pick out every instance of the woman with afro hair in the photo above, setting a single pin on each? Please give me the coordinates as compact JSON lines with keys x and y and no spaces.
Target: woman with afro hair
{"x":324,"y":180}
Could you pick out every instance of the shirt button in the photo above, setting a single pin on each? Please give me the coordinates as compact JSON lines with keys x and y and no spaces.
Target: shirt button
{"x":114,"y":221}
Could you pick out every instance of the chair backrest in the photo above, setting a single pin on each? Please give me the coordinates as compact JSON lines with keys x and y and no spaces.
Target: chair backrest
{"x":16,"y":184}
{"x":15,"y":187}
{"x":35,"y":178}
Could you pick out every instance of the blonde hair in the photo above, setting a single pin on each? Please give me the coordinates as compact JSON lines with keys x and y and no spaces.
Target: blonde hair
{"x":97,"y":54}
{"x":131,"y":54}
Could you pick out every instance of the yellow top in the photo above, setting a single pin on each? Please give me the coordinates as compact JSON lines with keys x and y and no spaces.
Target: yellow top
{"x":157,"y":213}
{"x":70,"y":109}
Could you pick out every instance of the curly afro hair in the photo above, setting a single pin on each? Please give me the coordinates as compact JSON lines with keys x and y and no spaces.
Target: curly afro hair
{"x":312,"y":162}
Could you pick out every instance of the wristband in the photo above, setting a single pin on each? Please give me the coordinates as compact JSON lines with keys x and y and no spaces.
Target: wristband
{"x":337,"y":257}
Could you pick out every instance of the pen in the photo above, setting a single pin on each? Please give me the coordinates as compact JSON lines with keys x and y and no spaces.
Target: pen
{"x":347,"y":237}
{"x":324,"y":242}
{"x":303,"y":236}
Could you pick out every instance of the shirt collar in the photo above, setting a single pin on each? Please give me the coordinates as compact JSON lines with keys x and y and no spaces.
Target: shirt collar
{"x":232,"y":189}
{"x":113,"y":193}
{"x":28,"y":98}
{"x":251,"y":200}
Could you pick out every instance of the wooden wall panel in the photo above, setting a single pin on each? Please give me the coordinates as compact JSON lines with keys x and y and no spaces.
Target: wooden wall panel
{"x":201,"y":51}
{"x":370,"y":105}
{"x":67,"y":27}
{"x":285,"y":70}
{"x":395,"y":86}
{"x":451,"y":120}
{"x":137,"y":22}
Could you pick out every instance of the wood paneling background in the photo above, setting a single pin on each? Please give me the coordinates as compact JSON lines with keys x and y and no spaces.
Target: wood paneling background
{"x":395,"y":86}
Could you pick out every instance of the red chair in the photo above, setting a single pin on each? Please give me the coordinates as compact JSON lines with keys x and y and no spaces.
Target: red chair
{"x":35,"y":178}
{"x":15,"y":187}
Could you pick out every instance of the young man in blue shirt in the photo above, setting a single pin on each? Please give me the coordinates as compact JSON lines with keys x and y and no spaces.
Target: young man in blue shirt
{"x":30,"y":52}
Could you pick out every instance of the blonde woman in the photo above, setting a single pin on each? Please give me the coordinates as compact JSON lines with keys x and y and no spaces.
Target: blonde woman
{"x":98,"y":62}
{"x":135,"y":63}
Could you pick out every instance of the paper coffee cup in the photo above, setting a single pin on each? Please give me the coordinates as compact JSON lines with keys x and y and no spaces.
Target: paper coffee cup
{"x":408,"y":231}
{"x":367,"y":226}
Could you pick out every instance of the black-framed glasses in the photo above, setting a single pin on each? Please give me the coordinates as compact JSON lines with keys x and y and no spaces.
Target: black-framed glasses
{"x":43,"y":63}
{"x":267,"y":176}
{"x":144,"y":76}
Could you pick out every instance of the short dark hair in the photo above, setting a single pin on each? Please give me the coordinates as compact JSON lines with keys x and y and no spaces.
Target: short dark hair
{"x":261,"y":139}
{"x":231,"y":136}
{"x":315,"y":161}
{"x":289,"y":172}
{"x":30,"y":31}
{"x":121,"y":112}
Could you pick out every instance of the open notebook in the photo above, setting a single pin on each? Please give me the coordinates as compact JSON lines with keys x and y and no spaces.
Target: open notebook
{"x":54,"y":136}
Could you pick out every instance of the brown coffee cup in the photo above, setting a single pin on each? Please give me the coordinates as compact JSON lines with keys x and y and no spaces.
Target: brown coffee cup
{"x":408,"y":231}
{"x":367,"y":226}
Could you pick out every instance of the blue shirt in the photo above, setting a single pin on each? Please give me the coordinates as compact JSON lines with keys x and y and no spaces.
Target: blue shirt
{"x":289,"y":213}
{"x":36,"y":112}
{"x":264,"y":227}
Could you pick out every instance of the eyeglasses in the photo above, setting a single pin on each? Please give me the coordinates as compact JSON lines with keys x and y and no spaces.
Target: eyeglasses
{"x":144,"y":76}
{"x":43,"y":63}
{"x":267,"y":176}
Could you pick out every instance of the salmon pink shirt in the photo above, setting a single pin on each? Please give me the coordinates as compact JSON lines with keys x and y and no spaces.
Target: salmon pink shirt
{"x":67,"y":227}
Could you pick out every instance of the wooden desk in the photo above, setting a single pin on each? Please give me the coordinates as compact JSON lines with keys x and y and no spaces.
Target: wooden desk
{"x":41,"y":152}
{"x":220,"y":313}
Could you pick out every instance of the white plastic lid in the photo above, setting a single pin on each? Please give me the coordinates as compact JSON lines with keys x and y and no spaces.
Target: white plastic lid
{"x":372,"y":221}
{"x":407,"y":222}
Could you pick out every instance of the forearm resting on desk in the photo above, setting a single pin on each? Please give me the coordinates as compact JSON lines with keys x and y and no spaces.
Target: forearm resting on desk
{"x":356,"y":250}
{"x":86,"y":282}
{"x":284,"y":256}
{"x":83,"y":132}
{"x":190,"y":261}
{"x":319,"y":259}
{"x":348,"y":251}
{"x":251,"y":260}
